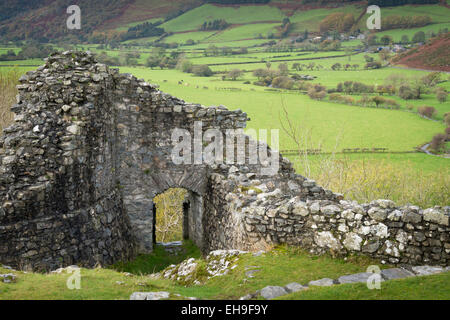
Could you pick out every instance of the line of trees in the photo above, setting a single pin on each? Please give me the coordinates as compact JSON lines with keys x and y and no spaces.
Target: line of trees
{"x":30,"y":51}
{"x":393,"y":3}
{"x":340,"y":21}
{"x":146,"y":29}
{"x":218,"y":24}
{"x":404,"y":22}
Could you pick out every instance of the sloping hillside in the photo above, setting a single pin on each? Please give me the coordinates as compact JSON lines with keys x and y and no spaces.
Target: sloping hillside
{"x":48,"y":21}
{"x":139,"y":11}
{"x":434,"y":55}
{"x":45,"y":20}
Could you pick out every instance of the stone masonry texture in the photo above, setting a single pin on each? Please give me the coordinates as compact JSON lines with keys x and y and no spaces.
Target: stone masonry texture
{"x":90,"y":148}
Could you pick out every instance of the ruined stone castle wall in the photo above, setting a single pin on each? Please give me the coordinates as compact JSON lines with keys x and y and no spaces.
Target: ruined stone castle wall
{"x":59,"y":204}
{"x":90,"y":148}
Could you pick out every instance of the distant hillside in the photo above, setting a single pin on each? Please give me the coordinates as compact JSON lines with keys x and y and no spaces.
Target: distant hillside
{"x":44,"y":20}
{"x":434,"y":55}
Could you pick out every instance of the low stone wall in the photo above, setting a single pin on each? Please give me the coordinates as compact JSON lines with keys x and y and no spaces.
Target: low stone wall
{"x":380,"y":229}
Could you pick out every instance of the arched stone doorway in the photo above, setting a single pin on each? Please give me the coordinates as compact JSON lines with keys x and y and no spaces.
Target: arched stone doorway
{"x":177,"y":214}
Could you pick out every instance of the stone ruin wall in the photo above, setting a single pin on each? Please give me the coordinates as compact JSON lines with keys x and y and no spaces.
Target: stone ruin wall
{"x":59,"y":204}
{"x":90,"y":148}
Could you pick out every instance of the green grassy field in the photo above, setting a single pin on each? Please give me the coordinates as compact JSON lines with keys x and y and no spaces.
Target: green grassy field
{"x":193,"y":19}
{"x":183,"y":37}
{"x":397,"y":34}
{"x":310,"y":20}
{"x":360,"y":127}
{"x":249,"y":31}
{"x":296,"y":266}
{"x":435,"y":287}
{"x":269,"y":17}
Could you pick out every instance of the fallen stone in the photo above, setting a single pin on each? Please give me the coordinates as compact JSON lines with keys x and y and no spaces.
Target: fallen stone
{"x":7,"y":267}
{"x":396,"y":273}
{"x":249,"y":296}
{"x":258,"y":253}
{"x":271,"y":292}
{"x":8,"y":277}
{"x":354,"y":278}
{"x":149,"y":295}
{"x":294,"y":287}
{"x":426,"y":270}
{"x":325,"y":282}
{"x":68,"y":269}
{"x":250,"y":273}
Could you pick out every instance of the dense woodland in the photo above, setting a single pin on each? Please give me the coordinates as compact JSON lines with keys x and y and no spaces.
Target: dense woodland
{"x":146,"y":29}
{"x":218,"y":24}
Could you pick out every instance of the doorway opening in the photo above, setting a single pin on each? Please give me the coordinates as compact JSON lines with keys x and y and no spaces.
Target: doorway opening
{"x":170,"y":216}
{"x":177,"y":217}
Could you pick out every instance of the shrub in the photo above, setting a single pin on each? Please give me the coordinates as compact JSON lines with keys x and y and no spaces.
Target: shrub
{"x":348,"y":100}
{"x":234,"y":74}
{"x":336,"y":66}
{"x":359,"y":87}
{"x":385,"y":89}
{"x":373,"y":65}
{"x":334,"y":97}
{"x":386,"y":40}
{"x":391,"y":103}
{"x":431,"y":79}
{"x":438,"y":142}
{"x":202,"y":70}
{"x":441,"y":96}
{"x":426,"y":111}
{"x":303,"y":85}
{"x":316,"y":92}
{"x":365,"y":100}
{"x":378,"y":100}
{"x":419,"y":37}
{"x":185,"y":65}
{"x":260,"y":73}
{"x":405,"y":92}
{"x":447,"y":119}
{"x":340,"y":21}
{"x":283,"y":68}
{"x":283,"y":82}
{"x":368,"y":58}
{"x":319,"y":87}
